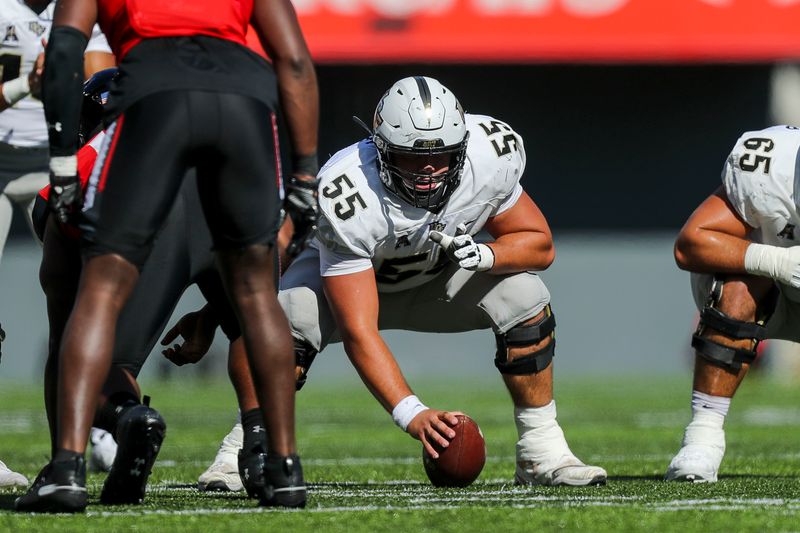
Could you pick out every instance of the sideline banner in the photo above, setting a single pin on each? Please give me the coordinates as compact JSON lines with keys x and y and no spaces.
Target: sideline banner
{"x":550,"y":30}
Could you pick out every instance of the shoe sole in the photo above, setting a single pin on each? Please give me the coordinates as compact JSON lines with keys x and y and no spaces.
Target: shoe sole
{"x":597,"y":481}
{"x":291,"y":497}
{"x":690,"y":478}
{"x":63,"y":501}
{"x":127,"y":480}
{"x":217,"y":486}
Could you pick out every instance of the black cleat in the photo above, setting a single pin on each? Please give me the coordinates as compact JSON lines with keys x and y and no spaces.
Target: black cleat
{"x":283,"y":480}
{"x":140,"y":432}
{"x":251,"y":471}
{"x":59,"y":488}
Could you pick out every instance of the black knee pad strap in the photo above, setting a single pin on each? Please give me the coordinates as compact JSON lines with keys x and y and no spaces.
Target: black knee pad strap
{"x":526,"y":335}
{"x":738,"y":329}
{"x":722,"y":355}
{"x":304,"y":355}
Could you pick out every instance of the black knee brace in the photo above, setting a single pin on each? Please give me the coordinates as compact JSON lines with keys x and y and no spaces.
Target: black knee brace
{"x":526,"y":335}
{"x":304,"y":355}
{"x":720,"y":354}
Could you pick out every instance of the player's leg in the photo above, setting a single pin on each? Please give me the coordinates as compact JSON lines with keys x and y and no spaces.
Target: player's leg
{"x":23,"y":172}
{"x":733,"y":311}
{"x":243,"y":450}
{"x":139,"y":429}
{"x":516,"y":307}
{"x":118,"y":234}
{"x":235,"y":184}
{"x":6,"y":214}
{"x":302,"y":299}
{"x":59,"y":273}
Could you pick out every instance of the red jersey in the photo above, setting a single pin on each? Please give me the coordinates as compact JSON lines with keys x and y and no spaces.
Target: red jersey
{"x":86,"y":158}
{"x":127,"y":22}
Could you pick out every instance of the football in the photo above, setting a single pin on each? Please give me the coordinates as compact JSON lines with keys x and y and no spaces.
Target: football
{"x":461,"y":462}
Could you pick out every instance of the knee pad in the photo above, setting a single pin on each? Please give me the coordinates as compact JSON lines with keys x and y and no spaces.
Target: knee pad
{"x":711,"y":317}
{"x":527,"y":335}
{"x":304,"y":355}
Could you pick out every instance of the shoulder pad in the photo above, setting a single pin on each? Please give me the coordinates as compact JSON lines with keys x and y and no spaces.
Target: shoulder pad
{"x":352,"y":220}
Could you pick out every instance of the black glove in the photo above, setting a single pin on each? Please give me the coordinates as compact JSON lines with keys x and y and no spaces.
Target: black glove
{"x":2,"y":338}
{"x":302,"y":205}
{"x":65,"y":196}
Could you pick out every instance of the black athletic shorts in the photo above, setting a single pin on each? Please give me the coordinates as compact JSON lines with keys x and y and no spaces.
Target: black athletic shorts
{"x":181,"y":256}
{"x":231,"y":141}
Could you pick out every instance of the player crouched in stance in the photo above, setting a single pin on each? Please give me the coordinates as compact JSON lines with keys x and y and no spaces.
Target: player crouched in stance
{"x":740,"y":245}
{"x":395,"y":250}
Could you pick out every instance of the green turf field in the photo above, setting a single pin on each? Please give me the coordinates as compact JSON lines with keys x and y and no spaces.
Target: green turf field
{"x":366,"y":475}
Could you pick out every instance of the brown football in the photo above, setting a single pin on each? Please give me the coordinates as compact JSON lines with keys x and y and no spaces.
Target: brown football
{"x":461,"y":462}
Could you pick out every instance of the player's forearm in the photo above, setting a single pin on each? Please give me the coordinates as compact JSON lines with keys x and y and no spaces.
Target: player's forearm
{"x":522,"y":251}
{"x":62,"y":87}
{"x":707,"y":251}
{"x":300,"y":102}
{"x":377,"y":367}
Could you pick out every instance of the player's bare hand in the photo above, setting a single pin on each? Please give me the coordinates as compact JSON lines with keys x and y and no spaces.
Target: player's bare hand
{"x":433,"y":428}
{"x":197,"y":329}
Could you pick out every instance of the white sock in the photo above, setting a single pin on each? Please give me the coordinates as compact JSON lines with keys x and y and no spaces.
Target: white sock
{"x":706,"y":402}
{"x":540,"y":436}
{"x":708,"y":417}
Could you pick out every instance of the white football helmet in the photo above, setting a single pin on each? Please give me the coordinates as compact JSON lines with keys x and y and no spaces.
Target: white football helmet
{"x":419,"y":116}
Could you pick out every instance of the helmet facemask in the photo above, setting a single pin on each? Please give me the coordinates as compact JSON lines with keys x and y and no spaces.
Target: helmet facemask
{"x":95,"y":96}
{"x":402,"y":168}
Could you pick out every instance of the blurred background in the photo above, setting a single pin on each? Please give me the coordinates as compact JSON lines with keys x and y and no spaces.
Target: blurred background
{"x":627,"y":108}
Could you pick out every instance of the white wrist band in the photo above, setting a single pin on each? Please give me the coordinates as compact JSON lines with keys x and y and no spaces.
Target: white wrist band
{"x":405,"y":411}
{"x":65,"y":165}
{"x":762,"y":260}
{"x":16,"y":89}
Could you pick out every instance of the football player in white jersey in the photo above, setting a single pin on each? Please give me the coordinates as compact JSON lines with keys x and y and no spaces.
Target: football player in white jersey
{"x":742,"y":247}
{"x":395,"y":250}
{"x":23,"y":133}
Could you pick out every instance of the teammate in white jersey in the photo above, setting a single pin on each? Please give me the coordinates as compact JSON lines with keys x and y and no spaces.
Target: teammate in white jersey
{"x":23,"y":132}
{"x":741,"y":245}
{"x":398,"y":214}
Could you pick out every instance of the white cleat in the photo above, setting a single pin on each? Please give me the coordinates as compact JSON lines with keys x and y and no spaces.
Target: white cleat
{"x":543,"y":455}
{"x":696,"y":463}
{"x":223,"y":474}
{"x":701,"y":452}
{"x":10,"y":479}
{"x":568,"y":470}
{"x":104,"y":450}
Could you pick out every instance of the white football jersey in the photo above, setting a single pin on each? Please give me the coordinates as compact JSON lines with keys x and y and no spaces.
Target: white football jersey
{"x":760,"y":179}
{"x":360,"y":218}
{"x":23,"y":31}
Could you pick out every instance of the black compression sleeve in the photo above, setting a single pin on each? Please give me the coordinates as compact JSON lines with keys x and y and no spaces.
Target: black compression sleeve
{"x":62,"y":87}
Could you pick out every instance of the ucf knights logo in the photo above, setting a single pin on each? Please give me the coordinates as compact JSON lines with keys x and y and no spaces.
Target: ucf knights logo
{"x":36,"y":28}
